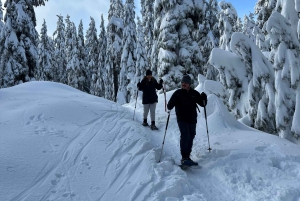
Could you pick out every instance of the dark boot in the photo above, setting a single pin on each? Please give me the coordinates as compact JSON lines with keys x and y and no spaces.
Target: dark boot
{"x":153,"y":127}
{"x":188,"y":162}
{"x":145,"y":123}
{"x":184,"y":157}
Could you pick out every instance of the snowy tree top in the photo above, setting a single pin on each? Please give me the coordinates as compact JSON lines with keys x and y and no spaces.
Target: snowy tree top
{"x":118,"y":22}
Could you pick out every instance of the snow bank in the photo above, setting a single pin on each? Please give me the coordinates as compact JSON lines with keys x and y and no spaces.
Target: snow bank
{"x":58,"y":143}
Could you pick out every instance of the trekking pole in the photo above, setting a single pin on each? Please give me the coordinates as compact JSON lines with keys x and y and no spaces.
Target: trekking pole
{"x":164,"y":88}
{"x":164,"y":136}
{"x":137,"y":93}
{"x":209,"y":149}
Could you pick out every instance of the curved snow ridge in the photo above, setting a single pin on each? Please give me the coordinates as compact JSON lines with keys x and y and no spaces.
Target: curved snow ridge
{"x":218,"y":117}
{"x":42,"y":87}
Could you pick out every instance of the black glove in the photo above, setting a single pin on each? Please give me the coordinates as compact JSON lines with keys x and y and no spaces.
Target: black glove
{"x":204,"y":98}
{"x":138,"y":84}
{"x":161,"y":81}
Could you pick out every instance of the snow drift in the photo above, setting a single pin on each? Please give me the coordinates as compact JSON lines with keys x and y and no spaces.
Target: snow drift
{"x":58,"y":143}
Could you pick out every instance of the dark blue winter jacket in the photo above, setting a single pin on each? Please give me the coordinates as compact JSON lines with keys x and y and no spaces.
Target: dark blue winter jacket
{"x":149,"y":90}
{"x":185,"y":103}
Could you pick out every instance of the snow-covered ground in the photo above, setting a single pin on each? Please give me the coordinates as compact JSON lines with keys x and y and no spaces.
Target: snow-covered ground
{"x":57,"y":143}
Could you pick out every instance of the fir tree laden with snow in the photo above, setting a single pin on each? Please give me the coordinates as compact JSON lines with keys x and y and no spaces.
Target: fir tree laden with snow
{"x":1,"y":26}
{"x":141,"y":58}
{"x":147,"y":11}
{"x":100,"y":87}
{"x":263,"y":10}
{"x":249,"y":26}
{"x":82,"y":57}
{"x":92,"y":53}
{"x":128,"y":58}
{"x":176,"y":48}
{"x":45,"y":52}
{"x":258,"y":107}
{"x":233,"y":76}
{"x":68,"y":38}
{"x":288,"y":10}
{"x":114,"y":49}
{"x":1,"y":17}
{"x":60,"y":54}
{"x":227,"y":20}
{"x":208,"y":37}
{"x":73,"y":66}
{"x":18,"y":41}
{"x":285,"y":55}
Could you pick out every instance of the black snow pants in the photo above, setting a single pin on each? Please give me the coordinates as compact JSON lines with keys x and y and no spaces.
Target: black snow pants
{"x":188,"y":132}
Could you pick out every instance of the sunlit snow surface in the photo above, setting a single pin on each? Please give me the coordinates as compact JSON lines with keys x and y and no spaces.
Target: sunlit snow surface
{"x":57,"y":143}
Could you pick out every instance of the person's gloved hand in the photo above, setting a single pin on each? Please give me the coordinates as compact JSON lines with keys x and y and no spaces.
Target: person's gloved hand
{"x":161,"y":81}
{"x":204,"y":98}
{"x":138,"y":84}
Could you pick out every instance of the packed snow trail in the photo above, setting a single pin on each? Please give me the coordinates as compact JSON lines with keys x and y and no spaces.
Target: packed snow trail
{"x":58,"y":143}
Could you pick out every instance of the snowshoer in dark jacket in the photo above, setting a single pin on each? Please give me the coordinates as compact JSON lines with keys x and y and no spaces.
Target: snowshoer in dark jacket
{"x":185,"y":101}
{"x":150,"y":98}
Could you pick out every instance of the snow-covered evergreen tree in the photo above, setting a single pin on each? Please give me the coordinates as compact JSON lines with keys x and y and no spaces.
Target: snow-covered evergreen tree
{"x":128,"y":58}
{"x":295,"y":124}
{"x":249,"y":78}
{"x":82,"y":57}
{"x":249,"y":26}
{"x":176,"y":48}
{"x":72,"y":59}
{"x":238,"y":27}
{"x":263,"y":10}
{"x":73,"y":66}
{"x":141,"y":58}
{"x":100,"y":87}
{"x":68,"y":38}
{"x":154,"y":53}
{"x":287,"y":10}
{"x":227,"y":20}
{"x":114,"y":49}
{"x":18,"y":42}
{"x":260,"y":39}
{"x":258,"y":104}
{"x":45,"y":52}
{"x":93,"y":53}
{"x":233,"y":76}
{"x":147,"y":11}
{"x":1,"y":17}
{"x":1,"y":26}
{"x":60,"y":54}
{"x":52,"y":56}
{"x":208,"y":37}
{"x":295,"y":82}
{"x":285,"y":55}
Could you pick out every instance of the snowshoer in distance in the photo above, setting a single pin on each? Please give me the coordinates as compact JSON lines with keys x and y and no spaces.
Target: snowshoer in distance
{"x":185,"y":101}
{"x":149,"y":85}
